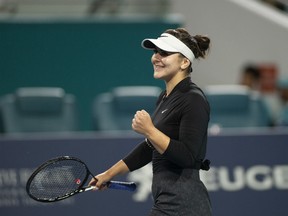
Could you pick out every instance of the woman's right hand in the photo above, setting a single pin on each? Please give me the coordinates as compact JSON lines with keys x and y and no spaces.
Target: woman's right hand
{"x":100,"y":181}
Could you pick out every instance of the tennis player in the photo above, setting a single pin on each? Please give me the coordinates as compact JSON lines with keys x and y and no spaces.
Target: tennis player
{"x":176,"y":134}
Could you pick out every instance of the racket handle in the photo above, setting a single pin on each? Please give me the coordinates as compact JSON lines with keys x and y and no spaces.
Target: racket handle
{"x":129,"y":186}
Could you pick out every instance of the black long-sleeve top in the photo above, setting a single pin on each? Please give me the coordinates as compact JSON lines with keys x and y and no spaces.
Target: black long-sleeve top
{"x":184,"y":117}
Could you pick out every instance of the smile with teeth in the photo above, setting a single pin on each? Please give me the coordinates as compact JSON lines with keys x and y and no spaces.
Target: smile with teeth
{"x":158,"y":66}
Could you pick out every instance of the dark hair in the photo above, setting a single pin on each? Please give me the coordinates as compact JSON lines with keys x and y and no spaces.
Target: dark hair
{"x":199,"y":44}
{"x":252,"y":70}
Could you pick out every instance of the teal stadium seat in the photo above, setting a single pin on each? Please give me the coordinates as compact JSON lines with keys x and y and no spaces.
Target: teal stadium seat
{"x":38,"y":109}
{"x":115,"y":110}
{"x":282,"y":86}
{"x":234,"y":106}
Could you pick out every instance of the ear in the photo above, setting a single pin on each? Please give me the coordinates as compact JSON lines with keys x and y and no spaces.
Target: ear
{"x":185,"y":63}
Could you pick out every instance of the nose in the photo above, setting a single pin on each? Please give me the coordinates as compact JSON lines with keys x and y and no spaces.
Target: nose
{"x":156,"y":57}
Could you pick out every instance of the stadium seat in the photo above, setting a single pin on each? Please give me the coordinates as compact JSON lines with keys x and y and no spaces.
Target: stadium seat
{"x":114,"y":110}
{"x":38,"y":109}
{"x":233,"y":106}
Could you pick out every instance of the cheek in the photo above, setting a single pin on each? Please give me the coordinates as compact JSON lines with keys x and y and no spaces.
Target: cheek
{"x":167,"y":62}
{"x":171,"y":64}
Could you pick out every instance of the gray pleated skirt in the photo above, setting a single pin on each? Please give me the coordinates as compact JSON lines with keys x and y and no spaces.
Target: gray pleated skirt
{"x":179,"y":193}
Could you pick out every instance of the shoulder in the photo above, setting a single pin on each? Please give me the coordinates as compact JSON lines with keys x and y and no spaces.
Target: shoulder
{"x":192,"y":91}
{"x":195,"y":98}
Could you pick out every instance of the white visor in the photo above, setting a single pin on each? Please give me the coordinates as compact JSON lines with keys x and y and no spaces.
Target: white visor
{"x":169,"y":43}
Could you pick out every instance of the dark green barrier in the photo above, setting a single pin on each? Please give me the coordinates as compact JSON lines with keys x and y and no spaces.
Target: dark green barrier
{"x":84,"y":57}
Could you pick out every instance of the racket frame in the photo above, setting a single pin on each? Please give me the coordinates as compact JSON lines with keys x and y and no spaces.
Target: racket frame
{"x":130,"y":186}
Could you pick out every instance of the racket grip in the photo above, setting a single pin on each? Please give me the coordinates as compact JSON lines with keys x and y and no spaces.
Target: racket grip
{"x":129,"y":186}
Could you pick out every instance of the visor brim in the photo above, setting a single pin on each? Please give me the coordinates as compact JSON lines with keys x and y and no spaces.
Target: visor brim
{"x":151,"y":44}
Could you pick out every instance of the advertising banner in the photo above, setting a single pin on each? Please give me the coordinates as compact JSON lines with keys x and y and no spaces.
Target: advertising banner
{"x":248,"y":175}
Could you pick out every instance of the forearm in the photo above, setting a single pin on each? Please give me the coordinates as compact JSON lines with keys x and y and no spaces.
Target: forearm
{"x":139,"y":156}
{"x":101,"y":179}
{"x":159,"y":140}
{"x":117,"y":169}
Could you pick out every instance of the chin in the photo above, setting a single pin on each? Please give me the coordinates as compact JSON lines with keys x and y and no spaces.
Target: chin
{"x":156,"y":75}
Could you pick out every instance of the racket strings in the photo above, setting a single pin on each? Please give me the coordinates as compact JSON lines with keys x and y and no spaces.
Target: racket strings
{"x":58,"y":179}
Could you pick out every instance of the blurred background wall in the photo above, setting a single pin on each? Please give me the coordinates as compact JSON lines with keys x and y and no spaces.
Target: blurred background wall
{"x":83,"y":57}
{"x":242,"y":31}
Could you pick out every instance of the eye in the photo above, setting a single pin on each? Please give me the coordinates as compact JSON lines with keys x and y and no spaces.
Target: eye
{"x":162,"y":52}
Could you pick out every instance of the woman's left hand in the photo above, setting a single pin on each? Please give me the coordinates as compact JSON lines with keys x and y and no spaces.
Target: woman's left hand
{"x":142,"y":122}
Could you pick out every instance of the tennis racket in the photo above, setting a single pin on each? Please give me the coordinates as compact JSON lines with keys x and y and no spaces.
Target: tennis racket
{"x":63,"y":177}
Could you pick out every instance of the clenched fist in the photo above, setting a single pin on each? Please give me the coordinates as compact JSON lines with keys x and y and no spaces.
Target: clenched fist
{"x":142,"y":122}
